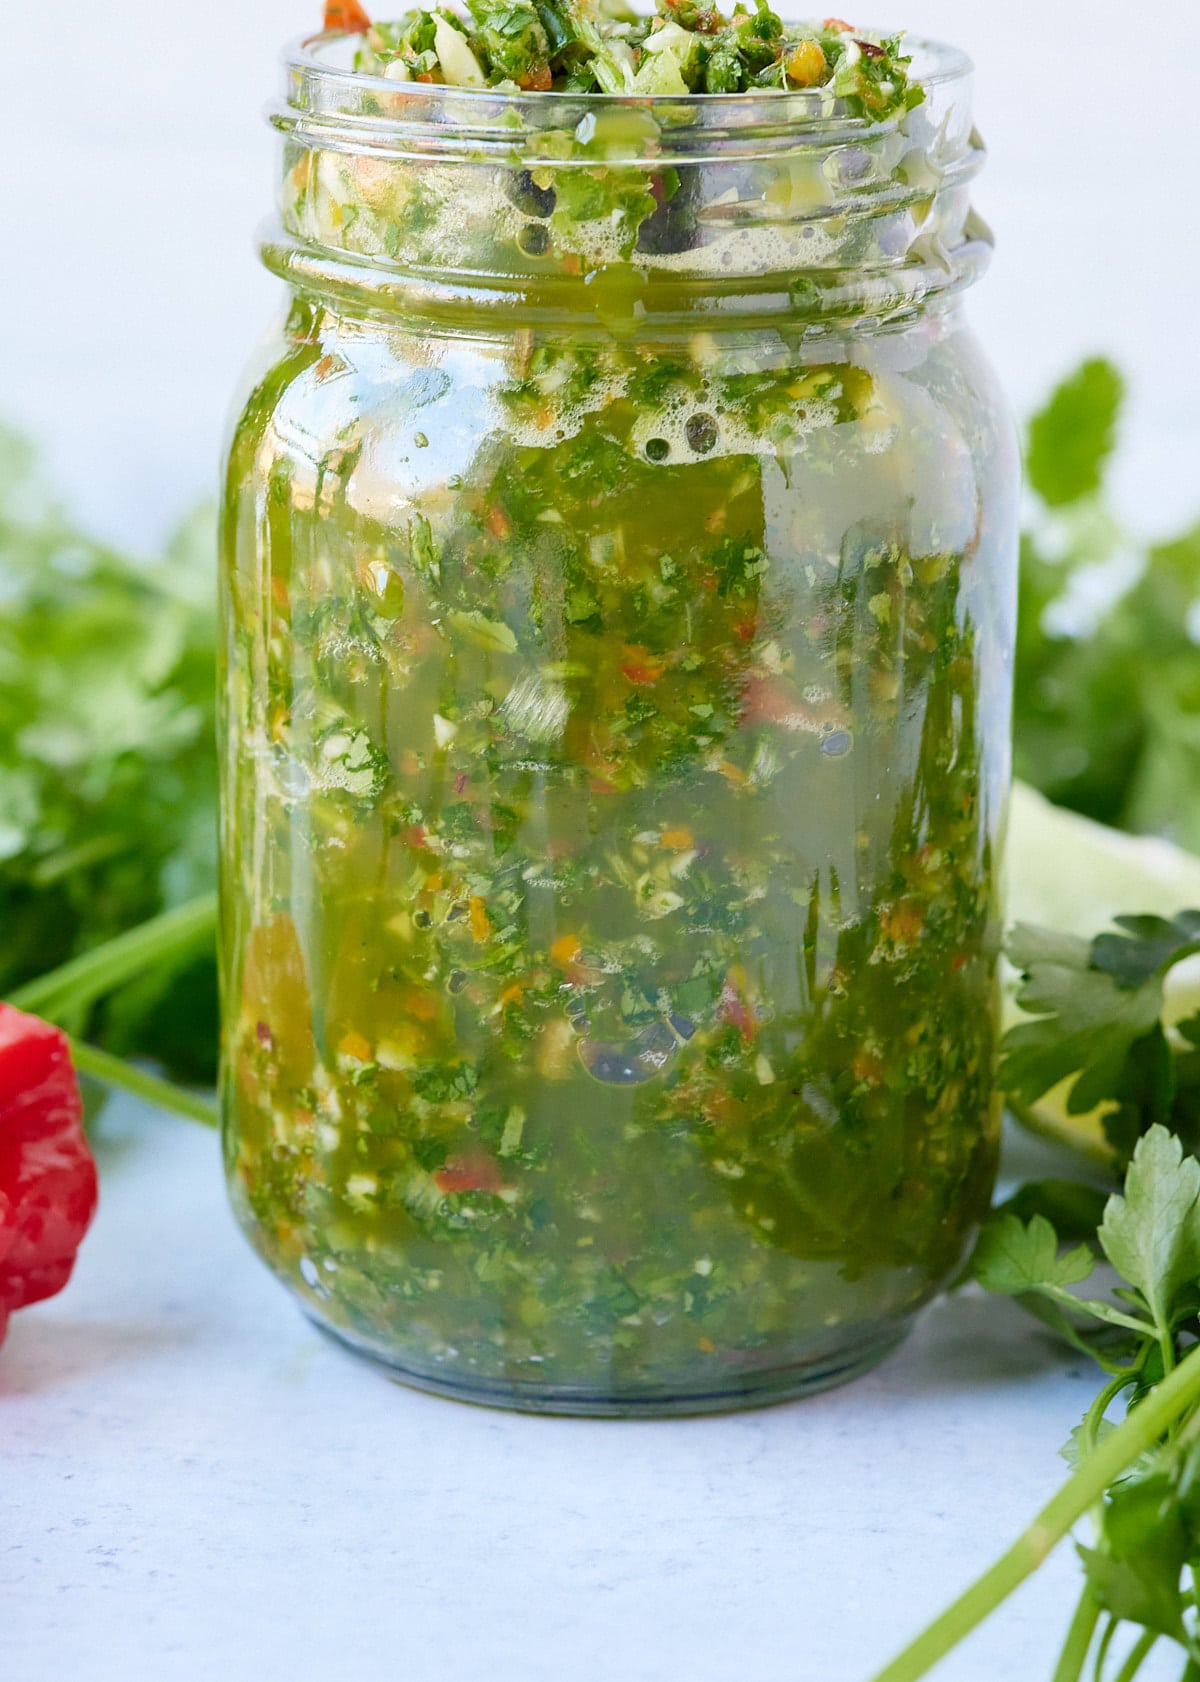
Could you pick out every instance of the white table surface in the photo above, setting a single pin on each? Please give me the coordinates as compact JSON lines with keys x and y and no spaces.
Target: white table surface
{"x":194,"y":1484}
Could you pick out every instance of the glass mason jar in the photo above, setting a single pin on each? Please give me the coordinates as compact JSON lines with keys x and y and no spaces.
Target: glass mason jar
{"x":619,"y":557}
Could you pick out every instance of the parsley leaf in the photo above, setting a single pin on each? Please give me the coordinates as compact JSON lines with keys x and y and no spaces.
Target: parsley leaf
{"x":1072,"y":438}
{"x":1086,"y":1023}
{"x":1095,"y":1023}
{"x":1014,"y":1256}
{"x":1151,"y":1234}
{"x":1145,"y":947}
{"x":1136,"y":1574}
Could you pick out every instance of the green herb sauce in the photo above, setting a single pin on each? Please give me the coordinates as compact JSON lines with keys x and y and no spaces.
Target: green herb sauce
{"x":616,"y":756}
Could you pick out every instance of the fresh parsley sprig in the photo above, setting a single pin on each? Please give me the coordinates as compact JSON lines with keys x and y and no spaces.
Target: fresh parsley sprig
{"x":1140,"y":1479}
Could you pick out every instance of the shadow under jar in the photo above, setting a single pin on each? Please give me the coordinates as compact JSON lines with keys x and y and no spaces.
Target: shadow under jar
{"x":619,"y":559}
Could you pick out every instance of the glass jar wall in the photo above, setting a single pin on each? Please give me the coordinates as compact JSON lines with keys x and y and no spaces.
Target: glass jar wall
{"x":619,"y":570}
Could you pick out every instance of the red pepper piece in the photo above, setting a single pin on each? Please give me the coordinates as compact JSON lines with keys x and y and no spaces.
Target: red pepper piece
{"x":474,"y":1171}
{"x":640,"y":666}
{"x":869,"y":48}
{"x":346,"y":15}
{"x":733,"y":1008}
{"x":47,"y":1175}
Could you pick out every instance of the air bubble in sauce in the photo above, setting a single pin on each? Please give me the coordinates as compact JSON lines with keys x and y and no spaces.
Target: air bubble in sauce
{"x":635,"y":1061}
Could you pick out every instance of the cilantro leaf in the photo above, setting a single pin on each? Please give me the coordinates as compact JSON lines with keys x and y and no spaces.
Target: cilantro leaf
{"x":1151,"y":1233}
{"x":1071,"y":439}
{"x":1014,"y":1256}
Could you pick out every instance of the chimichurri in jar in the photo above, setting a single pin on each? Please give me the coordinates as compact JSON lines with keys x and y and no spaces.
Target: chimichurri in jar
{"x":619,"y":571}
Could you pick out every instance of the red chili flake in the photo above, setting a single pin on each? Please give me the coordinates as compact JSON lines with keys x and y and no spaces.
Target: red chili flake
{"x":346,"y":15}
{"x":768,"y":702}
{"x":474,"y":1171}
{"x":460,"y":782}
{"x":264,"y":1035}
{"x":47,"y":1175}
{"x":731,"y":1007}
{"x":423,"y":77}
{"x":416,"y":835}
{"x":869,"y":47}
{"x":639,"y":666}
{"x":745,"y":629}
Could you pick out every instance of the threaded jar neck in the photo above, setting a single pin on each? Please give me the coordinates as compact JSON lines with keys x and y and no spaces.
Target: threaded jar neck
{"x":553,"y":206}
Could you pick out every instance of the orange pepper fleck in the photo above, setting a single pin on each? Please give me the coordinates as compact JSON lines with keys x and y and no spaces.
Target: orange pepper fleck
{"x":420,"y":1003}
{"x":868,"y":1068}
{"x":903,"y":923}
{"x":354,"y":1044}
{"x":707,"y":1345}
{"x":497,"y":521}
{"x":480,"y":922}
{"x":514,"y":994}
{"x":279,"y":593}
{"x":679,"y":840}
{"x":565,"y":950}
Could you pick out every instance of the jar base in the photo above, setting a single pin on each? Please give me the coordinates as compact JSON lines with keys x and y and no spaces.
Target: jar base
{"x":767,"y":1388}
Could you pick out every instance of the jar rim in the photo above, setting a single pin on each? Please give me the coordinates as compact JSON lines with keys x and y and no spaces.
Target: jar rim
{"x":936,"y":64}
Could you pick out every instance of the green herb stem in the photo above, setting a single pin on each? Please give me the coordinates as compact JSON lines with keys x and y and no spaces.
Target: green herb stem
{"x":1094,"y":1416}
{"x":1138,"y":1432}
{"x":1079,"y":1638}
{"x":81,"y":982}
{"x":1102,"y":1651}
{"x":1138,"y":1655}
{"x":163,"y":1094}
